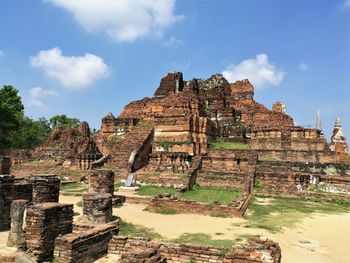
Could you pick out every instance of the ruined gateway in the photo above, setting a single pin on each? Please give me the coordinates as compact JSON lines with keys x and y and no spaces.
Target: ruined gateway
{"x":176,"y":132}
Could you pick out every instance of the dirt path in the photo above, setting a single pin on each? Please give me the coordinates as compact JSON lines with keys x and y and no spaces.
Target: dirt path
{"x":319,"y":239}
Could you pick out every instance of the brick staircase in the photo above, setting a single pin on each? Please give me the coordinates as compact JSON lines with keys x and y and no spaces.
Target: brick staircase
{"x":136,"y":139}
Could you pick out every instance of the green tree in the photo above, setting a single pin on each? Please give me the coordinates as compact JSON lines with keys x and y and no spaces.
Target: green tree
{"x":64,"y":121}
{"x":11,"y":113}
{"x":30,"y":134}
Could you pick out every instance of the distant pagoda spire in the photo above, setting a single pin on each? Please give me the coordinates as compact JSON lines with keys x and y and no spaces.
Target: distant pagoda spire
{"x":318,"y":121}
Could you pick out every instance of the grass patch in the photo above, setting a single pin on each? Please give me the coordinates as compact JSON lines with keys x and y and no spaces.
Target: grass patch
{"x":166,"y":212}
{"x":128,"y":229}
{"x":74,"y":189}
{"x":79,"y":203}
{"x":154,"y":190}
{"x":210,"y":195}
{"x":275,"y":213}
{"x":40,"y":164}
{"x":222,"y":144}
{"x":207,"y":240}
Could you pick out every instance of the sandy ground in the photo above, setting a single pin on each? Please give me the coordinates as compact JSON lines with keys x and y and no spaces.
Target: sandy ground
{"x":317,"y":239}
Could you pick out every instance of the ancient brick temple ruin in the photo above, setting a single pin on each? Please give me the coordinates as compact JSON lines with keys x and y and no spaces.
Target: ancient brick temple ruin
{"x":176,"y":136}
{"x":72,"y":148}
{"x":173,"y":132}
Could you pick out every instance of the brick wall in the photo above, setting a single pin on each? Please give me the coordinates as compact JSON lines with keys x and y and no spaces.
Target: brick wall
{"x":44,"y":223}
{"x":6,"y":198}
{"x":229,"y":161}
{"x":86,"y":244}
{"x":297,"y":178}
{"x":172,"y":252}
{"x":235,"y":209}
{"x":297,"y":156}
{"x":258,"y":249}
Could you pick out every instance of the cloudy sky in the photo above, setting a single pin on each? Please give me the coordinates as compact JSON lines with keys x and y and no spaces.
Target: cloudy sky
{"x":85,"y":58}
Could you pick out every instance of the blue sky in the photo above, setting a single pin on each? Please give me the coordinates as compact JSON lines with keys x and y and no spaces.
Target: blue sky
{"x":85,"y":58}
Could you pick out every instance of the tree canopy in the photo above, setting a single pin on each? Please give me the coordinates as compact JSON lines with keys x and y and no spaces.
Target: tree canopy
{"x":64,"y":121}
{"x":11,"y":113}
{"x":20,"y":132}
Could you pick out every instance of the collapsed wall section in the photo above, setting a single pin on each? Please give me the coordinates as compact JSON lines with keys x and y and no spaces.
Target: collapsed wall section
{"x":257,"y":249}
{"x":86,"y":244}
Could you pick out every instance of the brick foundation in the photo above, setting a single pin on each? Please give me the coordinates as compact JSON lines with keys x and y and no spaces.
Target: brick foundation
{"x":235,"y":209}
{"x":46,"y":188}
{"x":86,"y":244}
{"x":142,"y":255}
{"x":44,"y":223}
{"x":258,"y":249}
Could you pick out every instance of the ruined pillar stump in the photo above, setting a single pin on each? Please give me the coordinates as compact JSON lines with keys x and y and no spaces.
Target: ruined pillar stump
{"x":46,"y":188}
{"x":44,"y":223}
{"x":6,"y":198}
{"x":101,"y":181}
{"x":5,"y":165}
{"x":97,"y":208}
{"x":16,"y":237}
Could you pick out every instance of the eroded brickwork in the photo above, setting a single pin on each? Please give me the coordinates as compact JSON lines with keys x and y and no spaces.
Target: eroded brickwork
{"x":97,"y":208}
{"x":86,"y":244}
{"x":44,"y":223}
{"x":101,"y":181}
{"x":6,"y":198}
{"x":5,"y":165}
{"x":46,"y":188}
{"x":257,"y":249}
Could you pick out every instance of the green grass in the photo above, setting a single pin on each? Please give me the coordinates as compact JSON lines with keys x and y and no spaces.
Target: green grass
{"x":155,"y":190}
{"x":40,"y":164}
{"x":128,"y":229}
{"x":221,"y":144}
{"x":281,"y":212}
{"x":74,"y":189}
{"x":207,"y":240}
{"x":210,"y":195}
{"x":166,"y":212}
{"x":199,"y":194}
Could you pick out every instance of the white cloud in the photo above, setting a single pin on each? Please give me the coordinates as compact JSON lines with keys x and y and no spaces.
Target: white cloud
{"x":73,"y":72}
{"x":122,"y":20}
{"x":172,"y":42}
{"x":303,"y":67}
{"x":37,"y":97}
{"x":260,"y":72}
